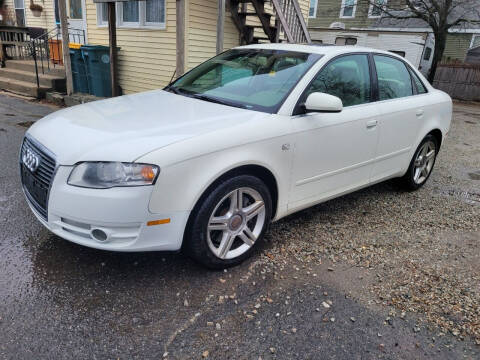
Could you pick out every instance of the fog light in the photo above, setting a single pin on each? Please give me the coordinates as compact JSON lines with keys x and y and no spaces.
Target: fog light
{"x":99,"y":235}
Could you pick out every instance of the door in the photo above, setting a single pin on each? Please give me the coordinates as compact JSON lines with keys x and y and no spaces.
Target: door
{"x":399,"y":114}
{"x":334,"y":152}
{"x":77,"y":21}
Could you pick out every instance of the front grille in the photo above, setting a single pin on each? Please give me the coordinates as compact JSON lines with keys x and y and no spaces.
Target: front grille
{"x":36,"y":183}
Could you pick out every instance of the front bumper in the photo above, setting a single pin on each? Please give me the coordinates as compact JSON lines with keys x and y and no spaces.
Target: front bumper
{"x":121,"y":213}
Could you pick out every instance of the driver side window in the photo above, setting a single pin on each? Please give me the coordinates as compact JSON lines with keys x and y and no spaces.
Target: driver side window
{"x":347,"y":77}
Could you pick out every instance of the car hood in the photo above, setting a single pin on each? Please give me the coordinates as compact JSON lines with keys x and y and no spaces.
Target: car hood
{"x":127,"y":127}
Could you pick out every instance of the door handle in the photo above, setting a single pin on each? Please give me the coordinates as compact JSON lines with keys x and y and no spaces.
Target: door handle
{"x":419,"y":113}
{"x":371,"y":124}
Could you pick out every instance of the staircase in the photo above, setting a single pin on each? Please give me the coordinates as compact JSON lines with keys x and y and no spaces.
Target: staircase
{"x":269,"y":21}
{"x":34,"y":60}
{"x":19,"y":76}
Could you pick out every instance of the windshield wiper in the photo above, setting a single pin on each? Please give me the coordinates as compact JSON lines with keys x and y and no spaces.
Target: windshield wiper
{"x":173,"y":90}
{"x":217,"y":101}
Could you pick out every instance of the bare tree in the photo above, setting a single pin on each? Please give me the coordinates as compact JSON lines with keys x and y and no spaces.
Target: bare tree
{"x":439,"y":15}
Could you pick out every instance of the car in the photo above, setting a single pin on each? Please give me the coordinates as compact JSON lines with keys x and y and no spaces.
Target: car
{"x":244,"y":139}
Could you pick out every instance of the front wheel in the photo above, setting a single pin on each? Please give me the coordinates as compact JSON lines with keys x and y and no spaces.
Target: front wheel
{"x":422,"y":164}
{"x":229,"y":222}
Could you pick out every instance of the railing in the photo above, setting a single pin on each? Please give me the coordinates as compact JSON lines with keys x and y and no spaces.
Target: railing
{"x":15,"y":42}
{"x":43,"y":47}
{"x":291,"y":21}
{"x":47,"y":47}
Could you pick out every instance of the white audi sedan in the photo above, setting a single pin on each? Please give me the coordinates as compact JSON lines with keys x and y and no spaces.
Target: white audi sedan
{"x":244,"y":139}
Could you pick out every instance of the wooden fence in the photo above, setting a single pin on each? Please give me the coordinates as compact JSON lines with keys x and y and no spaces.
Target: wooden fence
{"x":460,"y":81}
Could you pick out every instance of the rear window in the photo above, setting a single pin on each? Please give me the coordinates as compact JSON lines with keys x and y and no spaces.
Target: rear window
{"x":421,"y":89}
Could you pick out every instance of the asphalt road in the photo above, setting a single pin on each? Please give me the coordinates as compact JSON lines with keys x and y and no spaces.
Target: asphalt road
{"x":59,"y":300}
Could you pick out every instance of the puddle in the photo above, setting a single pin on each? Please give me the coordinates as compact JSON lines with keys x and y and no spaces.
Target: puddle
{"x":26,"y":124}
{"x":474,"y":175}
{"x":3,"y":130}
{"x":468,"y":197}
{"x":9,"y":114}
{"x":471,"y":122}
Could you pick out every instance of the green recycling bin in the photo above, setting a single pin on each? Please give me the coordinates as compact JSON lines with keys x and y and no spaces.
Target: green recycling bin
{"x":79,"y":72}
{"x":97,"y":61}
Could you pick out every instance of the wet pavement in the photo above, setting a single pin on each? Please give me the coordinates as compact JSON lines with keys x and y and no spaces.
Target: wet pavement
{"x":59,"y":300}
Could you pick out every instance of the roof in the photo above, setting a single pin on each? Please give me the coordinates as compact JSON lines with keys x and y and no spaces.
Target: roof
{"x":314,"y":48}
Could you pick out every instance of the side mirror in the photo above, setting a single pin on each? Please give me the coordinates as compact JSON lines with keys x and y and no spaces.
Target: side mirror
{"x":321,"y":102}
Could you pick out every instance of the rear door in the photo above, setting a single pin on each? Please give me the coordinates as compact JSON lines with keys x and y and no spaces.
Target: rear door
{"x":399,"y":114}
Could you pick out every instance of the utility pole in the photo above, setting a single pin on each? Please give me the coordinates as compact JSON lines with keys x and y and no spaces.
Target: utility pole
{"x":62,"y":12}
{"x":220,"y":25}
{"x":112,"y":37}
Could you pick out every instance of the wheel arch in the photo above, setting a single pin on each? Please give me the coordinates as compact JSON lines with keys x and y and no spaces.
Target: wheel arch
{"x":434,"y":131}
{"x":437,"y":133}
{"x":259,"y":171}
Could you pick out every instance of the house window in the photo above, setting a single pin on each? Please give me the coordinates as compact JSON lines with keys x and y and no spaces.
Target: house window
{"x":148,"y":13}
{"x":130,"y":12}
{"x":348,"y":8}
{"x":103,"y":7}
{"x":57,"y":14}
{"x":76,"y":9}
{"x":428,"y":53}
{"x":345,"y":41}
{"x":312,"y":12}
{"x":154,"y":12}
{"x":20,"y":12}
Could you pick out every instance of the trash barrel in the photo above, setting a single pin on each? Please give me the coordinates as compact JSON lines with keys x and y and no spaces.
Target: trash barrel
{"x":97,"y":61}
{"x":79,"y":71}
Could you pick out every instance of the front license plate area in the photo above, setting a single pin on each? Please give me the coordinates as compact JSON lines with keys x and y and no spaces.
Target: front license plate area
{"x":36,"y":189}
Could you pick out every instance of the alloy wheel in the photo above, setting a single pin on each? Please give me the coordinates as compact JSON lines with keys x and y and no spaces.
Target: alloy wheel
{"x":236,"y":223}
{"x":424,"y":161}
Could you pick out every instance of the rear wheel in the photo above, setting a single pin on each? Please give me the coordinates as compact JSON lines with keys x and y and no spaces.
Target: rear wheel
{"x":422,"y":164}
{"x":230,"y":222}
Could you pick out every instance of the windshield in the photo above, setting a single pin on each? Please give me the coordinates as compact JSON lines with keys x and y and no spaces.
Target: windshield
{"x":255,"y":79}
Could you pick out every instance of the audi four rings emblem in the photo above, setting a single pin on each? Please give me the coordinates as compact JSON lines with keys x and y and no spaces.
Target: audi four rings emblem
{"x":30,"y":160}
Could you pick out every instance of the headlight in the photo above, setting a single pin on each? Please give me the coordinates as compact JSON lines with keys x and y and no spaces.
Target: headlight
{"x":104,"y":175}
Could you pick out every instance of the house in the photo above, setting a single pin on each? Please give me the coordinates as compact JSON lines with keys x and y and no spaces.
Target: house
{"x":359,"y":22}
{"x":161,"y":39}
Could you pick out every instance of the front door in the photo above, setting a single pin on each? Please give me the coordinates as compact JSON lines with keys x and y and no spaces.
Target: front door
{"x":77,"y":21}
{"x":335,"y":152}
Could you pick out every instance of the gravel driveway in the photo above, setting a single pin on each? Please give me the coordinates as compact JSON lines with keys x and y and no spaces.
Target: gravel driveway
{"x":380,"y":273}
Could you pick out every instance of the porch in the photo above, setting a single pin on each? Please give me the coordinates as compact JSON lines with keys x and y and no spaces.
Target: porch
{"x":159,"y":39}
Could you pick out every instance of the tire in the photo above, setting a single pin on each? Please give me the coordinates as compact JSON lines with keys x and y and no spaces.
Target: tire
{"x":415,"y":177}
{"x":221,"y":234}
